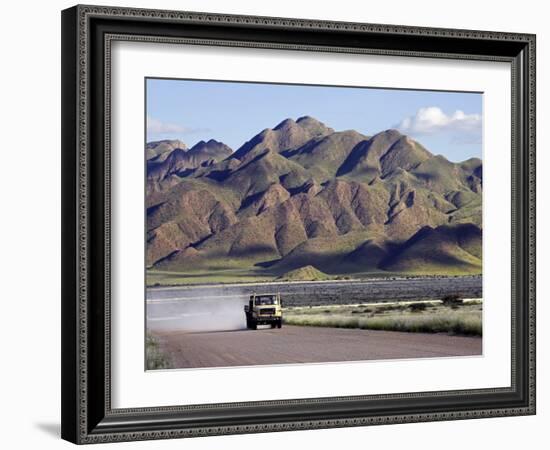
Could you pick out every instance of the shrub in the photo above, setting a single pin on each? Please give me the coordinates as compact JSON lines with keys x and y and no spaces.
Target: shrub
{"x":417,"y":307}
{"x":382,"y":309}
{"x":452,"y":300}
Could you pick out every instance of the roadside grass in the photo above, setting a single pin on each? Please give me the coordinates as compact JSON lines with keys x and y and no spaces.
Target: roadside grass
{"x":431,"y":317}
{"x":154,"y":357}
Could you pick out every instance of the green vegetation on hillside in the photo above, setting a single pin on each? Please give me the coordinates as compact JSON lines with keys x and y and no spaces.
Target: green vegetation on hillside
{"x":306,"y":273}
{"x":302,"y":194}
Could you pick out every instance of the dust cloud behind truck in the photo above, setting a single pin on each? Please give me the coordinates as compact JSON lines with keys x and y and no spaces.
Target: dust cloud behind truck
{"x":264,"y":309}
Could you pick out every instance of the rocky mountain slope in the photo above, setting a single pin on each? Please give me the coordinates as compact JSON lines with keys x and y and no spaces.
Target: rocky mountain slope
{"x":302,"y":194}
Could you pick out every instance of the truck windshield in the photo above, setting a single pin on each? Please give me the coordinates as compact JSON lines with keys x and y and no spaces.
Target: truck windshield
{"x":266,"y":300}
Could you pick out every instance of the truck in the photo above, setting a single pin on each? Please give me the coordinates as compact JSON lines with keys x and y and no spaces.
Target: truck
{"x":264,"y":309}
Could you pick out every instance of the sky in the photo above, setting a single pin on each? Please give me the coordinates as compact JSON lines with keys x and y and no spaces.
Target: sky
{"x":446,"y":123}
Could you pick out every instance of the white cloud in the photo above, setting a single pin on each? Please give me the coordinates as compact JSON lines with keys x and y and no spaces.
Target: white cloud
{"x":432,"y":120}
{"x":156,"y":126}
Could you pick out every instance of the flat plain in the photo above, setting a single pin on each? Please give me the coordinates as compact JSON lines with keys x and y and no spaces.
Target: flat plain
{"x":204,"y":326}
{"x":331,"y":292}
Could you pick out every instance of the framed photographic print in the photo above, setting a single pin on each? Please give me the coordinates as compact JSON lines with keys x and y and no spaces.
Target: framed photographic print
{"x":280,"y":224}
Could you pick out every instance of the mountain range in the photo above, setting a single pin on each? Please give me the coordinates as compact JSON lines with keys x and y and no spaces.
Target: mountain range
{"x":302,"y":194}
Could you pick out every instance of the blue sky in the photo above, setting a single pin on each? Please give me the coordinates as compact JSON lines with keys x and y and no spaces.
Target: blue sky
{"x":447,"y":123}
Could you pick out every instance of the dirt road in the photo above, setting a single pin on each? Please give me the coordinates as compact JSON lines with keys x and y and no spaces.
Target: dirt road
{"x":306,"y":345}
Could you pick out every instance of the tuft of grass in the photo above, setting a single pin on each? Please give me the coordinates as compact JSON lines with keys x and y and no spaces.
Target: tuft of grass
{"x":388,"y":308}
{"x":155,"y":359}
{"x":447,"y":321}
{"x":438,"y":323}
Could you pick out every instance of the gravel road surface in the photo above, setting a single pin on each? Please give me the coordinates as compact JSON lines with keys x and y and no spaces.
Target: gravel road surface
{"x":293,"y":344}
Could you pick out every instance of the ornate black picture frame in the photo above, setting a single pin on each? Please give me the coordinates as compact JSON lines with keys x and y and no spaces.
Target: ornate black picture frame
{"x":87,"y":34}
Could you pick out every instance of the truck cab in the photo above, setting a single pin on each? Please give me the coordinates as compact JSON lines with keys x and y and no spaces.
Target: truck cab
{"x":264,"y":309}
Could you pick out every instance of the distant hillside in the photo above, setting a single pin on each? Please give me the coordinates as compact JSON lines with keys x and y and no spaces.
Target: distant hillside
{"x":444,"y":250}
{"x":301,"y":194}
{"x":159,"y":150}
{"x":306,"y":273}
{"x":173,"y":157}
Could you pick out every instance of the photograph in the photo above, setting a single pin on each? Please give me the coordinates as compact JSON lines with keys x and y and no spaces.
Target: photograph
{"x":296,"y":223}
{"x":289,"y":219}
